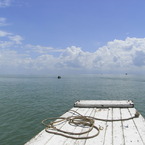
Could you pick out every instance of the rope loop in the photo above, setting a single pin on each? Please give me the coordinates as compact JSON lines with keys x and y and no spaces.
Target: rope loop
{"x":78,"y":121}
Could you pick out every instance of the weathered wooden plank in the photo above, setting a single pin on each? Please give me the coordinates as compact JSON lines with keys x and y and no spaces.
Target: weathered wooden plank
{"x":89,"y":112}
{"x":139,"y":124}
{"x":118,"y":136}
{"x":43,"y":137}
{"x":99,"y":140}
{"x":131,"y":134}
{"x":104,"y":103}
{"x":58,"y":139}
{"x":82,"y":142}
{"x":108,"y":138}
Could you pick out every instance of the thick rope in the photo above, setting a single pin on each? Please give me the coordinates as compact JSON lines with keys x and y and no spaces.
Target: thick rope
{"x":81,"y":121}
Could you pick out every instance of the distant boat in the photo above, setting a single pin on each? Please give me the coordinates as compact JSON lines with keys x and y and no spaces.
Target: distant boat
{"x":59,"y":77}
{"x":125,"y":73}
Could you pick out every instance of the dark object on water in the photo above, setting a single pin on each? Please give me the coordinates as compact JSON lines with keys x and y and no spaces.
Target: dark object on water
{"x":59,"y":77}
{"x":125,"y":73}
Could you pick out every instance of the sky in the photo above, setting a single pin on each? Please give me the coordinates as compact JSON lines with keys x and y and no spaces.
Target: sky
{"x":72,"y":36}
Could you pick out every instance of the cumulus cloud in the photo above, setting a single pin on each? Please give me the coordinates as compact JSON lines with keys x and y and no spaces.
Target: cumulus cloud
{"x":139,"y":59}
{"x":121,"y":55}
{"x":75,"y":57}
{"x":116,"y":56}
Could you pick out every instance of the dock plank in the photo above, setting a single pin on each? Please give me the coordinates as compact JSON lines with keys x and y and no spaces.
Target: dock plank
{"x":128,"y":132}
{"x":139,"y":124}
{"x":118,"y":136}
{"x":99,"y":140}
{"x":108,"y":137}
{"x":43,"y":137}
{"x":89,"y":112}
{"x":104,"y":103}
{"x":58,"y":139}
{"x":131,"y":134}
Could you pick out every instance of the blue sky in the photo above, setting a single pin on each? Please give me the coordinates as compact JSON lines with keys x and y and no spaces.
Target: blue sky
{"x":82,"y":36}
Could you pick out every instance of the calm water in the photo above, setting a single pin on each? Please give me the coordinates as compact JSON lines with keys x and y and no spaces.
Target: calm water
{"x":25,"y":101}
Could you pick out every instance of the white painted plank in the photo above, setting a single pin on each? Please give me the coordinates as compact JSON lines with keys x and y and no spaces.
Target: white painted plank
{"x":39,"y":138}
{"x":131,"y":134}
{"x":104,"y":103}
{"x":139,"y":123}
{"x":43,"y":137}
{"x":118,"y":136}
{"x":99,"y":140}
{"x":58,"y":139}
{"x":108,"y":138}
{"x":70,"y":141}
{"x":90,"y":113}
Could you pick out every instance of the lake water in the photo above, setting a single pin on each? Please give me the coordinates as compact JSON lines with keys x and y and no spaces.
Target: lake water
{"x":25,"y":100}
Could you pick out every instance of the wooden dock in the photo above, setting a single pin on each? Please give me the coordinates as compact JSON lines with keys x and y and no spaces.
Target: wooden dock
{"x":116,"y":122}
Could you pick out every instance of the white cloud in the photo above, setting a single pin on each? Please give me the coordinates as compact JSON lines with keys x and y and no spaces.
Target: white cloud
{"x":6,"y":44}
{"x":4,"y":34}
{"x":9,"y":3}
{"x":9,"y":40}
{"x":42,"y":49}
{"x":5,"y":3}
{"x":38,"y":48}
{"x":10,"y":62}
{"x":139,"y":58}
{"x":3,"y":21}
{"x":117,"y":56}
{"x":16,"y":38}
{"x":75,"y":57}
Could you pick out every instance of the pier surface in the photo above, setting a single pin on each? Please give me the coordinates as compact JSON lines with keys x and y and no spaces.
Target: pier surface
{"x":118,"y":125}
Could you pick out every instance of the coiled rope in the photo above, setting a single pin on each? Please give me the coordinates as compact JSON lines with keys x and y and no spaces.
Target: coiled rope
{"x":81,"y":121}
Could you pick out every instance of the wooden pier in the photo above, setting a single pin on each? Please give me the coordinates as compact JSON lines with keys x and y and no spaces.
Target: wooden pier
{"x":111,"y":123}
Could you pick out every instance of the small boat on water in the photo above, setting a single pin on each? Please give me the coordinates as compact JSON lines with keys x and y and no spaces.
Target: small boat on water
{"x":59,"y":77}
{"x":91,"y":122}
